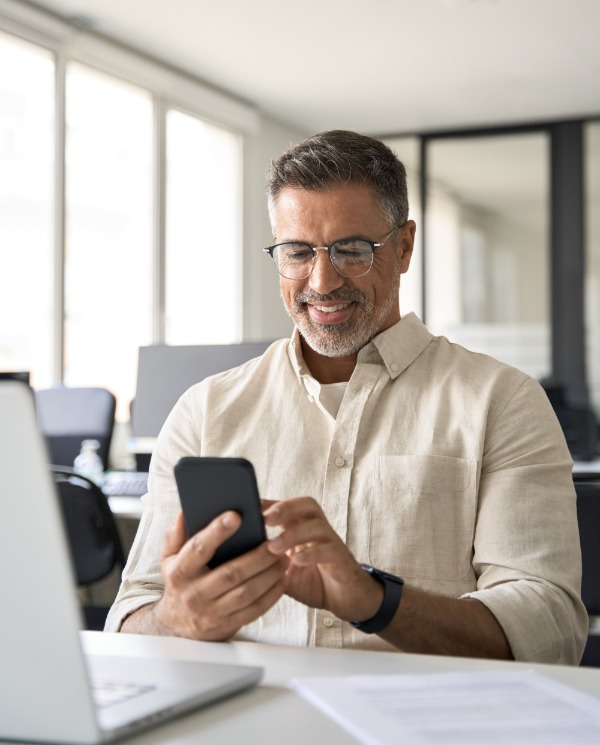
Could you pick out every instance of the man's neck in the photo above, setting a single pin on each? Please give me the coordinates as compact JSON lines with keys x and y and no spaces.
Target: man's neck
{"x":328,"y":369}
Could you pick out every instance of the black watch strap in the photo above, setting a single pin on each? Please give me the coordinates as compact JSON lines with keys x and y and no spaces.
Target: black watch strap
{"x":392,"y":594}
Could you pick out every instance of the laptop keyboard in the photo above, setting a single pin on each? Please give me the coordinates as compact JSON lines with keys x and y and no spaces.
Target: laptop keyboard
{"x":125,"y":483}
{"x":109,"y":694}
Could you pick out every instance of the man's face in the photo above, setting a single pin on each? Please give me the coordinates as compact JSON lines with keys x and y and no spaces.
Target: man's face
{"x":338,"y":315}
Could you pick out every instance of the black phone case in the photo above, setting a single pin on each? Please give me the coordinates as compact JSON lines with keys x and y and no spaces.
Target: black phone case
{"x":210,"y":486}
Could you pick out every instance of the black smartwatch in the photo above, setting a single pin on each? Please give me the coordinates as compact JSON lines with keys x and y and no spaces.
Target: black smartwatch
{"x":392,"y":594}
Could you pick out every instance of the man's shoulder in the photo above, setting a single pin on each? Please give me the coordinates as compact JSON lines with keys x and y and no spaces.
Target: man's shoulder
{"x":482,"y":360}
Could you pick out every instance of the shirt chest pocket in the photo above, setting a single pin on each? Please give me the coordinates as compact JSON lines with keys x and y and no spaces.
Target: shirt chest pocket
{"x":422,"y":516}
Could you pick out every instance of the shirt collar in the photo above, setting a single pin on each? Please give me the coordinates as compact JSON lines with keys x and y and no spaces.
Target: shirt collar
{"x":396,"y":347}
{"x":399,"y":346}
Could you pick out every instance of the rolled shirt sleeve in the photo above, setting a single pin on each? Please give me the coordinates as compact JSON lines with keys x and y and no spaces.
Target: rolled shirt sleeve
{"x":526,"y":549}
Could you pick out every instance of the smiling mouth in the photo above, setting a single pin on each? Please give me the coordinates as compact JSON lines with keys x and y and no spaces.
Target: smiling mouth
{"x":331,"y":308}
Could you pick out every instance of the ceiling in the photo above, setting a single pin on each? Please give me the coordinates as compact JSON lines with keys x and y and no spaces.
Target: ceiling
{"x":377,"y":66}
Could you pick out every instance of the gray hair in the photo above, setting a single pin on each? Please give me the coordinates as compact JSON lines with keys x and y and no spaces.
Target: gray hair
{"x":340,"y":157}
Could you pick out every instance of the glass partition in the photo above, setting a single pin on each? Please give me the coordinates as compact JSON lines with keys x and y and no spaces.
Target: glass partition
{"x":487,"y":250}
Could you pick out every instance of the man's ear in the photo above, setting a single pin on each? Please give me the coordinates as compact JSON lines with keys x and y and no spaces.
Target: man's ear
{"x":406,"y":242}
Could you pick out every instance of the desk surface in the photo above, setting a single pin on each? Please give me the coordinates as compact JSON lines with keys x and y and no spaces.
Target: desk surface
{"x":586,"y":469}
{"x":271,"y":713}
{"x":128,"y":507}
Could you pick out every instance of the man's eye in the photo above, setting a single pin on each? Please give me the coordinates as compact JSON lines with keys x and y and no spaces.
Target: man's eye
{"x":352,"y":249}
{"x":300,"y":253}
{"x":349,"y":252}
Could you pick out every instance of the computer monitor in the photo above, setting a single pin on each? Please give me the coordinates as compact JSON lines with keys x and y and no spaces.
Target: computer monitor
{"x":166,"y":371}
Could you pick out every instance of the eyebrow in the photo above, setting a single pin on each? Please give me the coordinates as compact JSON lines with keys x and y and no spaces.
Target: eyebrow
{"x":354,"y":236}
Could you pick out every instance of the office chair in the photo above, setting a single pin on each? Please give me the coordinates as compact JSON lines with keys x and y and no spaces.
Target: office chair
{"x":67,"y":416}
{"x":580,"y":428}
{"x":96,"y":548}
{"x":578,"y":423}
{"x":588,"y":515}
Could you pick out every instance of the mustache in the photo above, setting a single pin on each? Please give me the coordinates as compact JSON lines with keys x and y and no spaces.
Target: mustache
{"x":342,"y":294}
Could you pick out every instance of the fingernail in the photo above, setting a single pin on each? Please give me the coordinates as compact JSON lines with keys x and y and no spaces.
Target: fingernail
{"x":228,"y":520}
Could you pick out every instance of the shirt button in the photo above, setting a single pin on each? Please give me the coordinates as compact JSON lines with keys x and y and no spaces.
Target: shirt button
{"x":394,"y":367}
{"x":328,"y":621}
{"x":339,"y":461}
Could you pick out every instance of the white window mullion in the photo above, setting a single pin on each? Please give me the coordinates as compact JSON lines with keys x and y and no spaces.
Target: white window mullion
{"x":59,"y":220}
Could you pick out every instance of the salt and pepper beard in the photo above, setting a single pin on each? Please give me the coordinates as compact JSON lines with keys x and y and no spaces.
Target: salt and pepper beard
{"x":343,"y":339}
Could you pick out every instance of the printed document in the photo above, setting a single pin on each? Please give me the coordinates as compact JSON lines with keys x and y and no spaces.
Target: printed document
{"x":495,"y":708}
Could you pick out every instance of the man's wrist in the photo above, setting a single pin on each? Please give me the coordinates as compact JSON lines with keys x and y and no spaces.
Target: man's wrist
{"x":392,"y":595}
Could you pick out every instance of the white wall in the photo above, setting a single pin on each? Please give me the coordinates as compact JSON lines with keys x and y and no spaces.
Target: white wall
{"x":264,"y":316}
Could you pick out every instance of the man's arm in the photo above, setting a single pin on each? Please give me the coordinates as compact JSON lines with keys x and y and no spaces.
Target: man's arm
{"x":324,"y":574}
{"x":433,"y":624}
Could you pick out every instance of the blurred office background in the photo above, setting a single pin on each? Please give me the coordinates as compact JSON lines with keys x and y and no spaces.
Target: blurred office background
{"x":134,"y":139}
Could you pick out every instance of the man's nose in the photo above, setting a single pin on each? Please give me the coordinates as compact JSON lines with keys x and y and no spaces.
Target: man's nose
{"x":324,"y":278}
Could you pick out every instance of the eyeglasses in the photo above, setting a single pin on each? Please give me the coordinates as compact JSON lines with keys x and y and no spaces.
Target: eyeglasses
{"x":351,"y":257}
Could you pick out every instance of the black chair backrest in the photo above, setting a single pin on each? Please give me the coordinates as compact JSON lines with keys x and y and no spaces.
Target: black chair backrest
{"x":588,"y":514}
{"x":94,"y":540}
{"x":580,"y":429}
{"x":67,"y":416}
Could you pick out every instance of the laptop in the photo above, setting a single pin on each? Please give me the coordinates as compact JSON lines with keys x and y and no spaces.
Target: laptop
{"x":48,"y":684}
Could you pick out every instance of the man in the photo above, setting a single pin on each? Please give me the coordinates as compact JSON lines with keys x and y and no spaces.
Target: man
{"x":375,"y":443}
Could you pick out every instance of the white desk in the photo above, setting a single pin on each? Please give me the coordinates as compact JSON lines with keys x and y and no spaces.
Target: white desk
{"x":586,"y":469}
{"x":271,"y":713}
{"x":128,"y":507}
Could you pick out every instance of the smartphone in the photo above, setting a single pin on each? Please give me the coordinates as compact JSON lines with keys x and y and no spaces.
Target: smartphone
{"x":209,"y":486}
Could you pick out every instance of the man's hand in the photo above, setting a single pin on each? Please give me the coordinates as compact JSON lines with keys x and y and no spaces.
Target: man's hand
{"x":322,"y":573}
{"x":210,"y":604}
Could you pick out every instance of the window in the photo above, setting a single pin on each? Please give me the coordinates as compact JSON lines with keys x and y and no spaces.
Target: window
{"x":26,"y":210}
{"x":203,"y":270}
{"x":108,"y":245}
{"x":136,"y":248}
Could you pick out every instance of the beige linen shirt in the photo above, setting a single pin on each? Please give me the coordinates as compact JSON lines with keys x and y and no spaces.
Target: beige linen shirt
{"x":443,"y":466}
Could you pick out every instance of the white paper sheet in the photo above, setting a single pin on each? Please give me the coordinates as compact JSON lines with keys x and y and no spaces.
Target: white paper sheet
{"x":506,"y":708}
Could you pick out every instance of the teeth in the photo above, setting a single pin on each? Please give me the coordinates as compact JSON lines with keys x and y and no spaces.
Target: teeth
{"x":331,"y":308}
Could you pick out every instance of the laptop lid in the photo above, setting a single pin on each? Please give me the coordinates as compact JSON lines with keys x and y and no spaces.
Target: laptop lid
{"x":45,"y":678}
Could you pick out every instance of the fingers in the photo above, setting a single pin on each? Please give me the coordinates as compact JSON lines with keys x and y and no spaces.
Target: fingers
{"x":175,"y":537}
{"x":292,"y":510}
{"x":213,"y":604}
{"x":234,"y":594}
{"x":307,"y":537}
{"x":304,"y":524}
{"x":216,"y":603}
{"x":194,"y":554}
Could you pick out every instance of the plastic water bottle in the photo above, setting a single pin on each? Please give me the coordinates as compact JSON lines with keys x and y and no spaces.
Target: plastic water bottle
{"x":88,"y":462}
